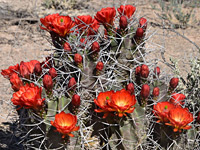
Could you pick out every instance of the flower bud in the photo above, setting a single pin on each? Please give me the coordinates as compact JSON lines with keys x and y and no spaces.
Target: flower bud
{"x":38,"y":69}
{"x":174,"y":82}
{"x":137,"y":70}
{"x":78,"y":58}
{"x":48,"y":82}
{"x":156,"y":92}
{"x":24,"y":70}
{"x":177,"y":99}
{"x":145,"y":91}
{"x":198,"y":118}
{"x":143,"y":23}
{"x":130,"y":88}
{"x":95,"y":47}
{"x":15,"y":81}
{"x":144,"y":71}
{"x":99,"y":66}
{"x":139,"y":32}
{"x":67,"y":47}
{"x":53,"y":72}
{"x":123,"y":22}
{"x":76,"y":101}
{"x":72,"y":83}
{"x":157,"y":71}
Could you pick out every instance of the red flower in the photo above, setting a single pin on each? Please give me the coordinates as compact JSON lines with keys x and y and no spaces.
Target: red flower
{"x":29,"y":97}
{"x":123,"y":22}
{"x":145,"y":91}
{"x":16,"y":82}
{"x":95,"y":47}
{"x":87,"y":24}
{"x":144,"y":71}
{"x":179,"y":118}
{"x":157,"y":71}
{"x":106,"y":16}
{"x":156,"y":91}
{"x":122,"y":102}
{"x":102,"y":102}
{"x":177,"y":99}
{"x":48,"y":82}
{"x":143,"y":23}
{"x":76,"y":100}
{"x":65,"y":123}
{"x":67,"y":47}
{"x":130,"y":88}
{"x":27,"y":68}
{"x":78,"y":58}
{"x":53,"y":72}
{"x":58,"y":24}
{"x":127,"y":10}
{"x":8,"y":72}
{"x":161,"y":110}
{"x":99,"y":66}
{"x":174,"y":82}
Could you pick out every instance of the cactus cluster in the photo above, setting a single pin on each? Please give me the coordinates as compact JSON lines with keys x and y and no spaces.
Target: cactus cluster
{"x":97,"y":90}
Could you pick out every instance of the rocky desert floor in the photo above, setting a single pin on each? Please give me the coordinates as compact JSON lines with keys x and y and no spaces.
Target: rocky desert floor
{"x":22,"y":40}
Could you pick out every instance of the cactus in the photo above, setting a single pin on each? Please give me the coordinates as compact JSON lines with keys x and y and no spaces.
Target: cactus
{"x":89,"y":62}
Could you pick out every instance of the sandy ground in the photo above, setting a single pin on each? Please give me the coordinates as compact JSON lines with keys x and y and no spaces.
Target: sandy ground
{"x":21,"y":38}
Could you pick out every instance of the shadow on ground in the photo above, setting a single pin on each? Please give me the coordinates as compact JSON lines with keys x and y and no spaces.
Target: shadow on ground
{"x":9,"y":138}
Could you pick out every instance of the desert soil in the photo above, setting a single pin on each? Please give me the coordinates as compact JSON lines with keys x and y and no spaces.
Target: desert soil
{"x":22,"y":40}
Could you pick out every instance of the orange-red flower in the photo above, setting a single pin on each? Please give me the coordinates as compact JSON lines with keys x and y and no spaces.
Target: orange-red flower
{"x":8,"y":72}
{"x":177,"y":99}
{"x":87,"y":24}
{"x":47,"y":22}
{"x":102,"y":102}
{"x":62,"y":25}
{"x":127,"y":10}
{"x":179,"y":118}
{"x":29,"y":97}
{"x":65,"y":124}
{"x":122,"y":102}
{"x":16,"y":82}
{"x":161,"y":110}
{"x":58,"y":24}
{"x":106,"y":16}
{"x":27,"y":68}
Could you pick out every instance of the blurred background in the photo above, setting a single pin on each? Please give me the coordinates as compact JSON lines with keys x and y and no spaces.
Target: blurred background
{"x":173,"y":24}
